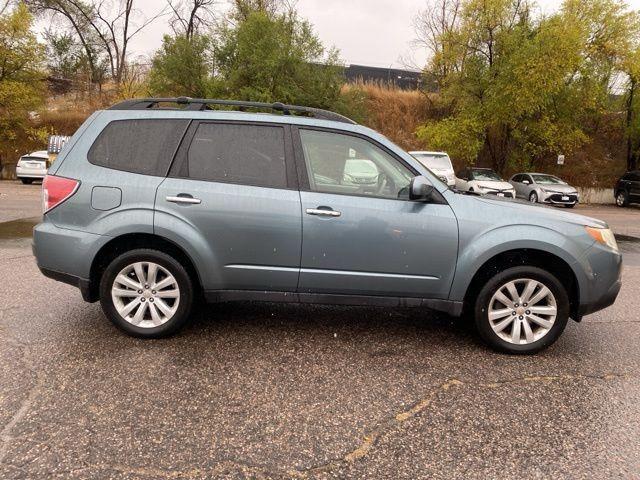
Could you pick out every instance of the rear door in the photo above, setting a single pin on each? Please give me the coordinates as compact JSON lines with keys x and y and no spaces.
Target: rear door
{"x":232,"y":195}
{"x":363,"y":237}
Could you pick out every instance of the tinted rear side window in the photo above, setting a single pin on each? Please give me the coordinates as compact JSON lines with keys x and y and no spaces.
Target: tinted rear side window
{"x":234,"y":153}
{"x":138,"y":146}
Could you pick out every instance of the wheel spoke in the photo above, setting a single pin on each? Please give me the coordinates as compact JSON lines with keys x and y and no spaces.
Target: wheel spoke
{"x":515,"y":332}
{"x":152,"y":272}
{"x":544,"y":310}
{"x":500,"y":326}
{"x":528,"y":333}
{"x":139,"y":269}
{"x":513,"y":291}
{"x":139,"y":316}
{"x":168,"y":293}
{"x":129,"y":282}
{"x":497,"y":314}
{"x":502,"y":298}
{"x":128,"y":308}
{"x":155,"y":316}
{"x":163,"y":307}
{"x":540,"y":321}
{"x":163,"y":283}
{"x":542,"y":293}
{"x":528,"y":290}
{"x":124,"y":293}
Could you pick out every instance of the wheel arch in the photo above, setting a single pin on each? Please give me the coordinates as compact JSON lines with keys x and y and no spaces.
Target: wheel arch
{"x":542,"y":259}
{"x":131,"y":241}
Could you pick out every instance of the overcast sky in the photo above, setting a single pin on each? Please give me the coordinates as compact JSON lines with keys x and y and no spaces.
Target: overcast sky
{"x":369,"y":32}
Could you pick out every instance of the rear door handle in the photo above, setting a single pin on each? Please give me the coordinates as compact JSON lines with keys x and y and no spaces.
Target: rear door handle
{"x":323,"y":212}
{"x":188,"y":199}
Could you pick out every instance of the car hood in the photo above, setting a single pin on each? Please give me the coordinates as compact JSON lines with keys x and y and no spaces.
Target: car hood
{"x":558,"y":188}
{"x":536,"y":213}
{"x":494,"y":184}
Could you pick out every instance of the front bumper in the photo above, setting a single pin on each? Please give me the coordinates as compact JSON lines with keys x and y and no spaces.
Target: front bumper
{"x":603,"y":269}
{"x":559,"y":198}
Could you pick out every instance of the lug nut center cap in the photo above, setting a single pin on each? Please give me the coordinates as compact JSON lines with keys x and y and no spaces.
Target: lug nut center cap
{"x":520,"y":310}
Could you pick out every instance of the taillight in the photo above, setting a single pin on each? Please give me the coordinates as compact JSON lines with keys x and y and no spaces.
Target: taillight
{"x":56,"y":190}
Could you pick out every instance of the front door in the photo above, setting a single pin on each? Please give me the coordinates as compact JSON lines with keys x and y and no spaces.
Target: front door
{"x":361,"y":234}
{"x":230,"y":198}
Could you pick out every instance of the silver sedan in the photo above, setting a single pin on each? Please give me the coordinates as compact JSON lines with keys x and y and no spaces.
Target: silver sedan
{"x":544,"y":188}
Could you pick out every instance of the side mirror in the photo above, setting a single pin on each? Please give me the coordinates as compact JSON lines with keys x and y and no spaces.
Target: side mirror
{"x":420,"y":189}
{"x":526,"y":182}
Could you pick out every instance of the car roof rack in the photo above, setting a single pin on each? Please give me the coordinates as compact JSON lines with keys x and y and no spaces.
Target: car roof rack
{"x":201,"y":104}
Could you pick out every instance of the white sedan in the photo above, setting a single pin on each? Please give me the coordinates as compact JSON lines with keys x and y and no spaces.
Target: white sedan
{"x":485,"y":181}
{"x":32,"y":166}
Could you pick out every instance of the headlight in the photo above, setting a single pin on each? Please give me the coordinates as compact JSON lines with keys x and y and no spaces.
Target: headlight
{"x":603,"y":236}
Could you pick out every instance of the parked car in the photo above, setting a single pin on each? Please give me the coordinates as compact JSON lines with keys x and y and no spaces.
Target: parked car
{"x":148,"y":209}
{"x":543,"y":188}
{"x":627,"y":189}
{"x":485,"y":181}
{"x":32,"y":166}
{"x":439,"y":163}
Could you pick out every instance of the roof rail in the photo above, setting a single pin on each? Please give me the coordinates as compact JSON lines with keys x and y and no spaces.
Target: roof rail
{"x":200,"y":104}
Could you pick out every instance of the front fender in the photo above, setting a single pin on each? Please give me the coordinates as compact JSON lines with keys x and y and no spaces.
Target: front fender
{"x":477,"y":251}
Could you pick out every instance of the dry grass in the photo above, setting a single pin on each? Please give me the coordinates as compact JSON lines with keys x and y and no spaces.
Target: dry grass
{"x":393,"y":112}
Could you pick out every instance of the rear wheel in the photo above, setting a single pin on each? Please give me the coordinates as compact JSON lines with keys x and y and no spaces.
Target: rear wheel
{"x":521,"y":310}
{"x":622,"y":199}
{"x":27,"y":181}
{"x":146,"y":293}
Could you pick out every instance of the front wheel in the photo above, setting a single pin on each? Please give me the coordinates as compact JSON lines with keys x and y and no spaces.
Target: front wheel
{"x":622,"y":199}
{"x":146,"y":293}
{"x":533,"y":198}
{"x":521,"y":310}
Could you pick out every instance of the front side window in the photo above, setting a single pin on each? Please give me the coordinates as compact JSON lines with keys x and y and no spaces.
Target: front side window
{"x":138,"y":146}
{"x":339,"y":163}
{"x":236,"y":153}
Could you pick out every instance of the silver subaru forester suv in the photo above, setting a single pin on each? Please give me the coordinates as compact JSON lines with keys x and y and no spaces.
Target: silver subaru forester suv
{"x":156,"y":203}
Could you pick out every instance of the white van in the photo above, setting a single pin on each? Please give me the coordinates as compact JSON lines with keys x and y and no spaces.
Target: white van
{"x":439,"y":163}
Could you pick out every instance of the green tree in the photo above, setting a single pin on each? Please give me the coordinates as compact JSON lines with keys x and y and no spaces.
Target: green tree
{"x":20,"y":79}
{"x":277,"y":57}
{"x":519,"y":88}
{"x":183,"y":67}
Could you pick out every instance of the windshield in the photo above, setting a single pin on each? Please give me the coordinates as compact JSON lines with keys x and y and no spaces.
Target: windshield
{"x":488,"y":175}
{"x":547,"y":180}
{"x":431,"y":161}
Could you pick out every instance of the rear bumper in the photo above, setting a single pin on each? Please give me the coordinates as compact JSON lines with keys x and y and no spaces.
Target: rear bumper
{"x":66,"y":255}
{"x":81,"y":283}
{"x":30,"y":172}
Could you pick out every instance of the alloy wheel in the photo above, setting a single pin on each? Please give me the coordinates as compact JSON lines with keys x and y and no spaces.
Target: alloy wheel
{"x":620,"y":199}
{"x":522,"y":311}
{"x":145,"y":294}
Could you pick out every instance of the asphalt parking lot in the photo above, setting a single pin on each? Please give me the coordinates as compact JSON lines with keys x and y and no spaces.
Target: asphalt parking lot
{"x":254,"y":390}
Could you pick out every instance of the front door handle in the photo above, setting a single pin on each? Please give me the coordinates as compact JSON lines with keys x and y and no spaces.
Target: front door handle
{"x":323,"y":212}
{"x":184,"y":199}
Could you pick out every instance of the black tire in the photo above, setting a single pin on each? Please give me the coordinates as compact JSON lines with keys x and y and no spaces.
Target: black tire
{"x":533,"y":197}
{"x":622,"y":198}
{"x":27,"y":181}
{"x":484,"y":297}
{"x":184,"y":281}
{"x":570,"y":205}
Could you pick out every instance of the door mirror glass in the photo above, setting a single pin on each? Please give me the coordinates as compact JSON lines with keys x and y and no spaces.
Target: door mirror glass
{"x":526,"y":182}
{"x":420,"y":189}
